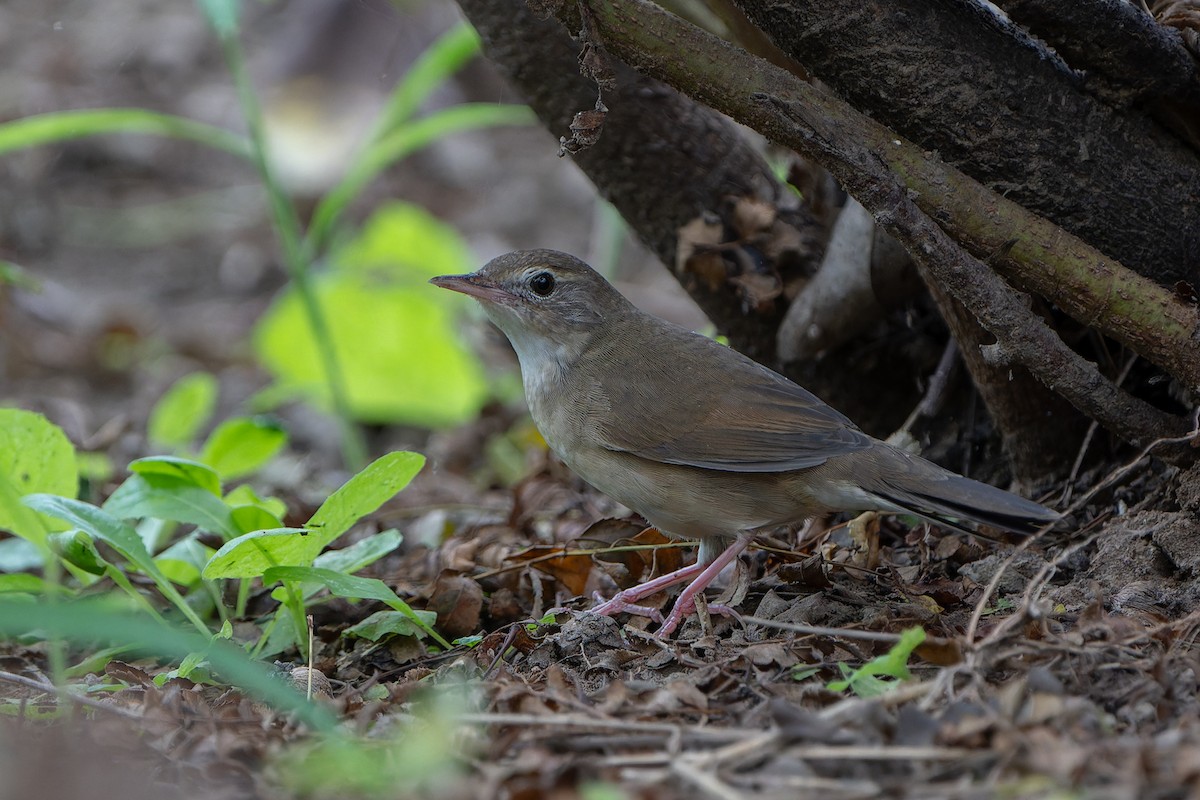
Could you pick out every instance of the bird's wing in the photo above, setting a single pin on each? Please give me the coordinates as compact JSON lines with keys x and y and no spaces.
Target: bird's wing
{"x":749,"y":419}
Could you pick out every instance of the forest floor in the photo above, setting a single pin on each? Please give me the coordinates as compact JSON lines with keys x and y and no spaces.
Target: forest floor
{"x":1061,"y":666}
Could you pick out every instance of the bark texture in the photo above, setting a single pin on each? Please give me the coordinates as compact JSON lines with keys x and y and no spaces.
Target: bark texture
{"x":661,"y":159}
{"x":990,"y":100}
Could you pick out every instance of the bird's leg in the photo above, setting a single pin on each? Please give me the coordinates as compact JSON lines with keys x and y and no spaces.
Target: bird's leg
{"x":687,"y":599}
{"x":626,"y":600}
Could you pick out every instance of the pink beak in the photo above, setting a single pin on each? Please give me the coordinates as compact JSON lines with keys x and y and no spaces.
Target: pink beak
{"x":475,"y":286}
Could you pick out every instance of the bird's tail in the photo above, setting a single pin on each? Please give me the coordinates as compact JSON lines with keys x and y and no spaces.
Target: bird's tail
{"x":949,"y":499}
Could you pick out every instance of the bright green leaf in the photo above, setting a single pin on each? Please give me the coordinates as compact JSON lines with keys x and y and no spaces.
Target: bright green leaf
{"x":241,"y":446}
{"x":251,"y":554}
{"x":352,"y":586}
{"x":122,"y":538}
{"x":23,"y":582}
{"x":361,"y":554}
{"x":183,"y":410}
{"x":173,"y":498}
{"x":364,"y":493}
{"x":247,"y":519}
{"x":35,"y":456}
{"x":193,"y":472}
{"x":245,"y":495}
{"x":401,"y":357}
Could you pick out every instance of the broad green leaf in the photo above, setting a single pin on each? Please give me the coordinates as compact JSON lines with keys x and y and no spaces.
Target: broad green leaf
{"x":247,"y":519}
{"x":242,"y":445}
{"x":77,"y":548}
{"x":23,"y":582}
{"x":35,"y":456}
{"x":401,"y":357}
{"x":193,"y":472}
{"x":403,"y":242}
{"x":245,"y":495}
{"x":389,"y":623}
{"x":251,"y":554}
{"x":184,"y":560}
{"x":183,"y":410}
{"x":361,"y":554}
{"x":122,"y":538}
{"x":352,"y":586}
{"x":58,"y":126}
{"x":364,"y":493}
{"x":170,"y":497}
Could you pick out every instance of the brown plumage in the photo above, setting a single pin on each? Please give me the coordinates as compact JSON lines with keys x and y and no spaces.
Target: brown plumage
{"x":696,"y":437}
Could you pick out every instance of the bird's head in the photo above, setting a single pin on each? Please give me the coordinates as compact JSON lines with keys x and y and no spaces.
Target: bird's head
{"x":542,"y":299}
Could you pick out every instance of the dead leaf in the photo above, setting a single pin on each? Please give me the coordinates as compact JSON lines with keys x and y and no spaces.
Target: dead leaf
{"x":458,"y":601}
{"x":569,"y":569}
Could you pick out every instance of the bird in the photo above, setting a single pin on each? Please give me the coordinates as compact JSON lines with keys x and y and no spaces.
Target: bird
{"x":700,"y":440}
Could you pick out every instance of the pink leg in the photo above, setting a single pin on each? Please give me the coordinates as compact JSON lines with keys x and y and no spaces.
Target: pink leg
{"x":687,"y":599}
{"x":703,"y":574}
{"x":626,"y":600}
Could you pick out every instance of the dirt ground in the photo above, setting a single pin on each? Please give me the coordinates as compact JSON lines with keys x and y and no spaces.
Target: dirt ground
{"x":1065,"y":666}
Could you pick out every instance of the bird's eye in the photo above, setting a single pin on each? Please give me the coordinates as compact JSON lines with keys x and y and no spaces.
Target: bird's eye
{"x":542,"y":284}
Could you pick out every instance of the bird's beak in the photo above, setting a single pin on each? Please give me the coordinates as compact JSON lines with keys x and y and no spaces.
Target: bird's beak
{"x":474,"y":285}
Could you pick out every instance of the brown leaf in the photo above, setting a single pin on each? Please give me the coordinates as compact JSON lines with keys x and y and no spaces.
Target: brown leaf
{"x":940,"y":652}
{"x":128,"y":673}
{"x":458,"y":601}
{"x":569,"y":570}
{"x":643,"y":564}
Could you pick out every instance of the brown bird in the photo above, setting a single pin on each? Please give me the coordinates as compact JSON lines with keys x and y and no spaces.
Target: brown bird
{"x":697,"y":438}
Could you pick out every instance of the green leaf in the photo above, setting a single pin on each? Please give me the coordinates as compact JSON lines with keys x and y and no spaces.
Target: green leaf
{"x":184,"y":561}
{"x":23,"y":582}
{"x":247,"y":519}
{"x":352,"y":586}
{"x":894,"y":664}
{"x":252,"y":554}
{"x":35,"y":456}
{"x":59,"y":126}
{"x":170,"y":497}
{"x":183,"y":410}
{"x":245,"y":495}
{"x":402,"y":359}
{"x":77,"y":548}
{"x":119,"y":536}
{"x":364,"y":493}
{"x":193,"y":472}
{"x":389,"y":623}
{"x":242,"y":445}
{"x":361,"y":554}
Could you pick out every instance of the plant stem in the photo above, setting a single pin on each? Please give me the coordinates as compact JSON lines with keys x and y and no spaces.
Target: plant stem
{"x":288,"y":228}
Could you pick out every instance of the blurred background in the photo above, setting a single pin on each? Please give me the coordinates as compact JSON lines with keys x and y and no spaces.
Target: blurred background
{"x":136,"y":259}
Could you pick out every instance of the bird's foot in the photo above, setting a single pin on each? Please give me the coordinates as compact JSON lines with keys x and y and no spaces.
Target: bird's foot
{"x":620,"y":604}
